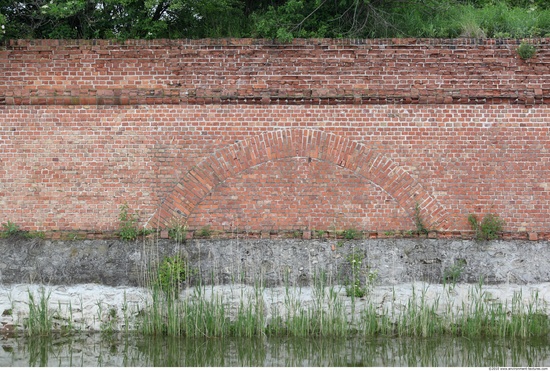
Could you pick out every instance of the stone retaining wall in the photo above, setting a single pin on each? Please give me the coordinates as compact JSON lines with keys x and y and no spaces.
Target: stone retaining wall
{"x":275,"y":262}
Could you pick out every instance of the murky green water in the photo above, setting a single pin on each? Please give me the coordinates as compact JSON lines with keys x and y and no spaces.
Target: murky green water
{"x":119,"y":350}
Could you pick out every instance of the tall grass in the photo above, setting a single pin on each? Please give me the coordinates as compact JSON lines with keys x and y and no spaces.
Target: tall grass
{"x":519,"y":320}
{"x":326,"y":316}
{"x":203,"y":314}
{"x":495,"y":19}
{"x":320,"y":310}
{"x":208,"y":314}
{"x":40,"y":319}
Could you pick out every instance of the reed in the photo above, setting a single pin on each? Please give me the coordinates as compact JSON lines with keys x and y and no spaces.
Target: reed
{"x":323,"y":310}
{"x":420,"y":318}
{"x":207,"y":314}
{"x":518,"y":320}
{"x":40,"y":320}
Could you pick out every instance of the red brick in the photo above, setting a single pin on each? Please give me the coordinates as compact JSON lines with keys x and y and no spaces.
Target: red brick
{"x":323,"y":143}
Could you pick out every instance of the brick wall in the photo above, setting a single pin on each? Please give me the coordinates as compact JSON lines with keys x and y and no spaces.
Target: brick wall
{"x":257,"y":136}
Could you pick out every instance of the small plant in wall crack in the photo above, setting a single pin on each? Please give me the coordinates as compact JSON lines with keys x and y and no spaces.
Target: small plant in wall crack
{"x":452,"y":274}
{"x":172,"y":273}
{"x":419,"y":221}
{"x":350,"y":234}
{"x":526,"y":50}
{"x":128,"y":224}
{"x":489,"y":227}
{"x":178,"y":230}
{"x":319,"y":233}
{"x":204,"y":232}
{"x":10,"y":229}
{"x":355,"y":288}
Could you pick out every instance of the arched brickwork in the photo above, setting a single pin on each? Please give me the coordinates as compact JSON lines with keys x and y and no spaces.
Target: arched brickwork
{"x":298,"y":143}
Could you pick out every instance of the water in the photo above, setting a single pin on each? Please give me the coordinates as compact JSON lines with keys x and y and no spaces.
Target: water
{"x":100,"y":350}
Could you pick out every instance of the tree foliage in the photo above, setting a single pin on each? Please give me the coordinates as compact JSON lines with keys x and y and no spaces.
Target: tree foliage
{"x":280,"y":19}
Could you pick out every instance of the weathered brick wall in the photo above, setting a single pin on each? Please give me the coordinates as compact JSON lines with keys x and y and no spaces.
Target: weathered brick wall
{"x":256,"y":136}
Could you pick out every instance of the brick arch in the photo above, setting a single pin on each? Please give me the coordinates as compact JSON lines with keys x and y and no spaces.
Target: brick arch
{"x":198,"y":182}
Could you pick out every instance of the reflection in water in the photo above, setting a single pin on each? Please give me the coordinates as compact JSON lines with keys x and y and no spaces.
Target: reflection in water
{"x":119,"y":350}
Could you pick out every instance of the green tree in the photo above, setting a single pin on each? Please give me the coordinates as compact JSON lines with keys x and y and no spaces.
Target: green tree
{"x":2,"y":26}
{"x":124,"y":19}
{"x":338,"y":18}
{"x":277,"y":19}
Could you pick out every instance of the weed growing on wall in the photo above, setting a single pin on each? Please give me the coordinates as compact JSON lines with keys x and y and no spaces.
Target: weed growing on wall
{"x":31,"y":234}
{"x":355,"y":288}
{"x":526,"y":51}
{"x":128,"y":230}
{"x":128,"y":223}
{"x":419,"y":221}
{"x":452,"y":274}
{"x":172,"y":273}
{"x":178,"y":230}
{"x":319,"y":233}
{"x":489,"y":227}
{"x":204,"y":232}
{"x":350,"y":234}
{"x":10,"y":229}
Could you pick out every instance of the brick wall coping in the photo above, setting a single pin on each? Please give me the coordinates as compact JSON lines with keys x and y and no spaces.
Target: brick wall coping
{"x":473,"y":42}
